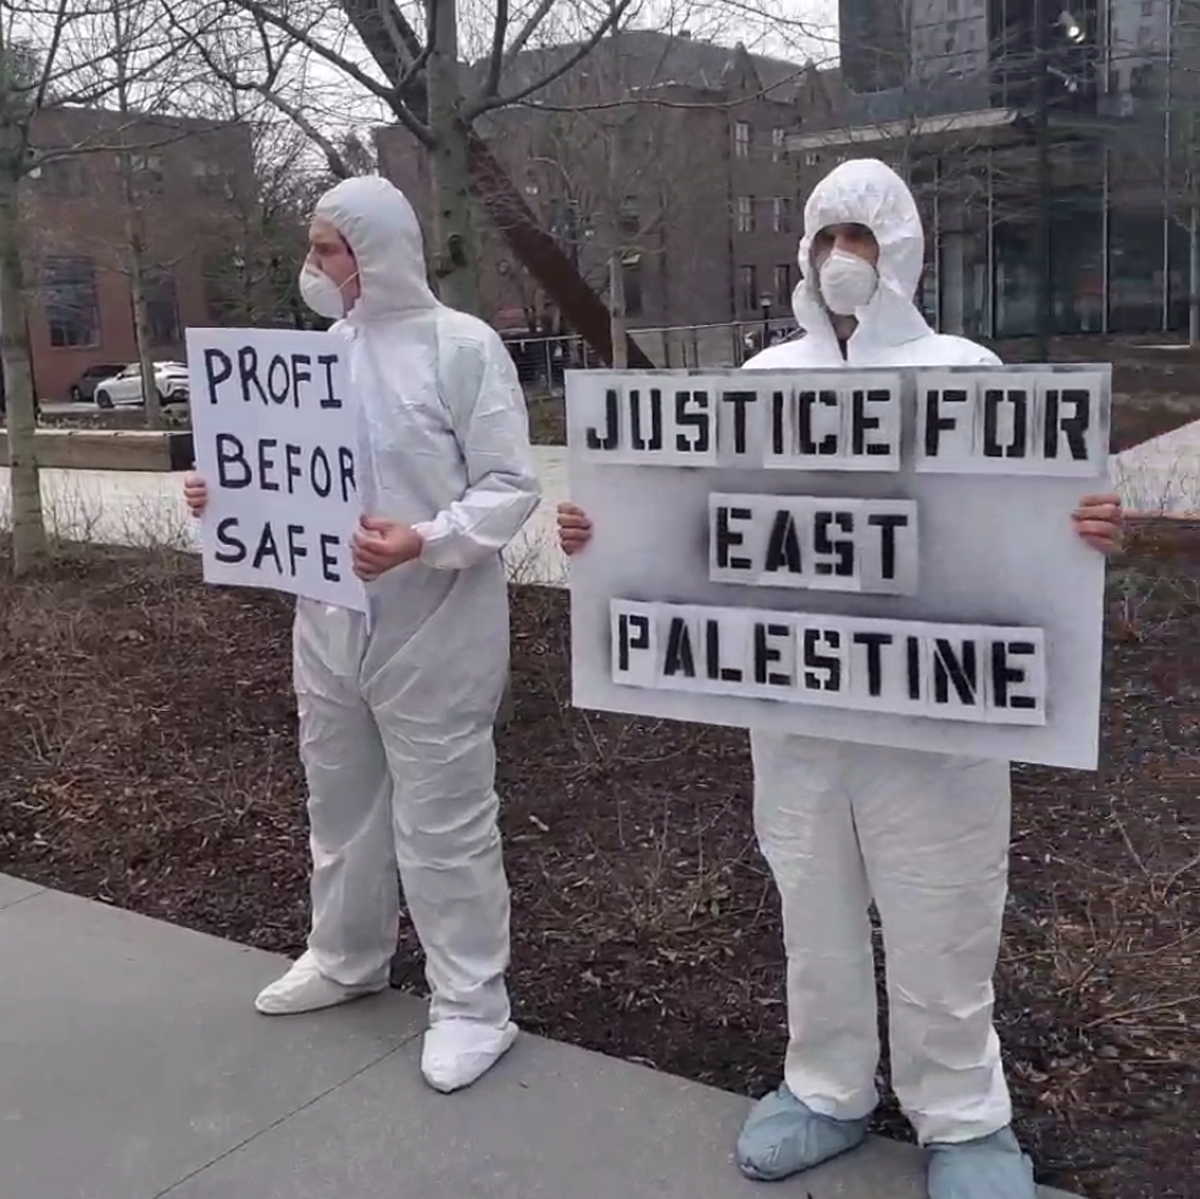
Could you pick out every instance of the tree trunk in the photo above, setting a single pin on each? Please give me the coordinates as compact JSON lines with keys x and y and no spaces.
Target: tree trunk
{"x":136,"y":246}
{"x":1194,"y":277}
{"x":29,"y":545}
{"x":506,"y":207}
{"x":616,"y":306}
{"x":141,"y":327}
{"x":454,"y":260}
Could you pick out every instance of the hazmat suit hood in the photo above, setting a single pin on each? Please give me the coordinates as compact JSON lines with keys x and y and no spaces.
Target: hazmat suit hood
{"x":383,"y":232}
{"x":867,"y":192}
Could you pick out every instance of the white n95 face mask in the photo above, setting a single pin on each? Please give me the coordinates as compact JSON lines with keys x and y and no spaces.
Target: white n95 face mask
{"x":847,"y":282}
{"x":321,"y":294}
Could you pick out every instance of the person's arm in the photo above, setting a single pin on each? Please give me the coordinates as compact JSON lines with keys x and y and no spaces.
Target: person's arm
{"x":502,"y":486}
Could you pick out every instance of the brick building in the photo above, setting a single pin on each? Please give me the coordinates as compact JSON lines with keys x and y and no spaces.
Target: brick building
{"x":690,"y":178}
{"x":191,"y":180}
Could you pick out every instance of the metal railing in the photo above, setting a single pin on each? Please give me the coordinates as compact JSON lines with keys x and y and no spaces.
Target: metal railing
{"x":543,"y":361}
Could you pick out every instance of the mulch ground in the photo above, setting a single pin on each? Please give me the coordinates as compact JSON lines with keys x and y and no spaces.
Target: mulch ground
{"x":149,"y":760}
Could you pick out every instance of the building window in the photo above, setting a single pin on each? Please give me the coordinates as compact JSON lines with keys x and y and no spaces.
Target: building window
{"x":780,"y":216}
{"x":778,"y":145}
{"x":162,"y":308}
{"x":783,"y":285}
{"x":72,"y":307}
{"x":748,"y":298}
{"x":812,"y":159}
{"x":741,"y":140}
{"x":212,"y":179}
{"x":147,"y":172}
{"x":65,"y":178}
{"x":630,"y":218}
{"x":745,"y":214}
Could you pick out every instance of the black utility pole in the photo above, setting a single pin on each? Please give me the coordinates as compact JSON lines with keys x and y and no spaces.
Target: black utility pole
{"x":1044,"y":318}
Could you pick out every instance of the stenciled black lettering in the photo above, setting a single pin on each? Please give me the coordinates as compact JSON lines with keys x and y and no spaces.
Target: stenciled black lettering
{"x":231,"y":453}
{"x":861,"y":423}
{"x":680,"y":657}
{"x":766,"y":654}
{"x":887,"y":523}
{"x":218,"y":369}
{"x":232,"y":549}
{"x":913,"y":660}
{"x":1074,"y":427}
{"x":740,"y":400}
{"x":633,"y":633}
{"x":296,"y":548}
{"x":712,"y":655}
{"x":1005,"y":675}
{"x":805,"y":402}
{"x":936,"y":423}
{"x":728,"y":538}
{"x":993,"y":397}
{"x":842,"y":548}
{"x":693,"y":419}
{"x":654,"y":442}
{"x":957,"y":666}
{"x":612,"y":423}
{"x":778,"y":439}
{"x":783,"y":545}
{"x":815,"y":660}
{"x":873,"y":643}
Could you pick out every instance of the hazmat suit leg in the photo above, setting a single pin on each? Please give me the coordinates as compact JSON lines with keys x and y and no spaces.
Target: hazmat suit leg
{"x":355,"y":900}
{"x":805,"y":825}
{"x":934,"y":831}
{"x":436,"y":711}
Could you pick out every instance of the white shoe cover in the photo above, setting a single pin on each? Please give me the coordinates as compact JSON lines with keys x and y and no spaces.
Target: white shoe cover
{"x":305,"y":989}
{"x":458,"y":1052}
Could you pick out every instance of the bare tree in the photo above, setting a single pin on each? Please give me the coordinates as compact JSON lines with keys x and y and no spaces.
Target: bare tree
{"x":406,"y":59}
{"x":55,"y":56}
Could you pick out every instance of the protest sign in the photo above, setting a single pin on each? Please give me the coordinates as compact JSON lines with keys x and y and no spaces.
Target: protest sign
{"x":879,"y":556}
{"x":275,"y":427}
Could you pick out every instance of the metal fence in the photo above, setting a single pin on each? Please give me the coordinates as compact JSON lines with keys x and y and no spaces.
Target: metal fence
{"x":542,"y":361}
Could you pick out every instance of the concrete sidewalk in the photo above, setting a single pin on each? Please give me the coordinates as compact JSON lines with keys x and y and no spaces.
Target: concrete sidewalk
{"x":146,"y":508}
{"x":142,"y":508}
{"x":133,"y":1066}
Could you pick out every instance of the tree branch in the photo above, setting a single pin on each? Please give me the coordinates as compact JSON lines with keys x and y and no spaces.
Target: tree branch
{"x":581,"y":52}
{"x":496,"y":62}
{"x":528,"y":30}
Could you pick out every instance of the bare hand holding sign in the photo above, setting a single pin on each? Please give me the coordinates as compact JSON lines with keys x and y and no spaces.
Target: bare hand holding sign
{"x":275,"y":427}
{"x":888,"y":556}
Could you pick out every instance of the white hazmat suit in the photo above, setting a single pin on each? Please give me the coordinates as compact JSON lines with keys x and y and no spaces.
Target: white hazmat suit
{"x":397,"y":708}
{"x":923,"y":834}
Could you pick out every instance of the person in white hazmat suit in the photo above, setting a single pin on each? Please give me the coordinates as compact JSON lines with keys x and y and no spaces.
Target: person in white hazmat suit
{"x":396,"y":709}
{"x":925,"y":835}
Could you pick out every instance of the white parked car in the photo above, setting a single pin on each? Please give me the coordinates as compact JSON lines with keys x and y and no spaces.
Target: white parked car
{"x":125,"y":389}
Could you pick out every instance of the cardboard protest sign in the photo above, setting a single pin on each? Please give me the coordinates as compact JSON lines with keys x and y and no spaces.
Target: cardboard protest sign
{"x":276,"y":433}
{"x":876,"y":556}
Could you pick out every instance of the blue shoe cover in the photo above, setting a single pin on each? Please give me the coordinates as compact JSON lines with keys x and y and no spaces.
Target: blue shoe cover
{"x":782,"y":1137}
{"x":991,"y":1167}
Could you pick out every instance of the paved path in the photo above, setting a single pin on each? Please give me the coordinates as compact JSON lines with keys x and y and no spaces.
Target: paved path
{"x":140,"y":508}
{"x":133,"y":1066}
